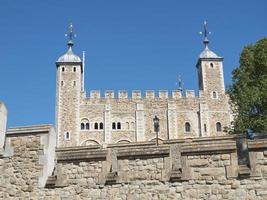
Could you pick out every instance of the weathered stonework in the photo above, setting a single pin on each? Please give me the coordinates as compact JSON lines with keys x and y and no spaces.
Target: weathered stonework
{"x":198,"y":168}
{"x":124,"y":118}
{"x":104,"y":147}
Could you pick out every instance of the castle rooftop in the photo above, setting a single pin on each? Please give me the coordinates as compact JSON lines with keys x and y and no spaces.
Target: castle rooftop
{"x":69,"y":56}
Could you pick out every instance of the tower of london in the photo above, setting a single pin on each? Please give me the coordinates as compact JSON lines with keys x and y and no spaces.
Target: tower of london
{"x":129,"y":146}
{"x":90,"y":119}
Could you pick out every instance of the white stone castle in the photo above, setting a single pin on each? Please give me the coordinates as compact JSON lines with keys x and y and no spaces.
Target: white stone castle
{"x":90,"y":120}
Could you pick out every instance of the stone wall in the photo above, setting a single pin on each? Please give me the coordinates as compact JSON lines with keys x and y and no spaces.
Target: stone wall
{"x":200,"y":168}
{"x":136,"y":115}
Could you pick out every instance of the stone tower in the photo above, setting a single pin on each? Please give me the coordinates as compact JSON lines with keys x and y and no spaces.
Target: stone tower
{"x":69,"y":86}
{"x":210,"y":70}
{"x":212,"y":90}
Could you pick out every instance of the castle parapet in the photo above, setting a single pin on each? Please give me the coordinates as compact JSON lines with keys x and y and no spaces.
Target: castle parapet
{"x":176,"y":94}
{"x":163,"y":94}
{"x":123,"y":94}
{"x":136,"y":94}
{"x":190,"y":93}
{"x":150,"y":94}
{"x":95,"y":94}
{"x":109,"y":94}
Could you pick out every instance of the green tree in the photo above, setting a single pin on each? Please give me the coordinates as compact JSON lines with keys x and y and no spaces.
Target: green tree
{"x":248,"y":91}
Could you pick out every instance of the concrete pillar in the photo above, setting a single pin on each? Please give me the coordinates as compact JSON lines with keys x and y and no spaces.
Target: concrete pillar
{"x":140,"y":122}
{"x":3,"y":122}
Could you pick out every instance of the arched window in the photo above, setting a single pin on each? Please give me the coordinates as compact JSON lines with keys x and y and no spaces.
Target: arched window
{"x":63,"y":69}
{"x":218,"y":127}
{"x":67,"y":136}
{"x":96,"y":126}
{"x":82,"y":126}
{"x":87,"y":126}
{"x":118,"y":125}
{"x":74,"y":83}
{"x":101,"y":126}
{"x":187,"y":127}
{"x":113,"y":125}
{"x":127,"y":125}
{"x":214,"y":95}
{"x":211,"y":65}
{"x":74,"y":69}
{"x":132,"y":125}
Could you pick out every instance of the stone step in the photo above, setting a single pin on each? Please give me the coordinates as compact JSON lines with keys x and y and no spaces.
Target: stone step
{"x":244,"y":170}
{"x":175,"y":175}
{"x":111,"y":178}
{"x":51,"y":181}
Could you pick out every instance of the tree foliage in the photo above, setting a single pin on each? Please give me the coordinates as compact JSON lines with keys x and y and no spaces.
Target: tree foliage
{"x":248,"y":92}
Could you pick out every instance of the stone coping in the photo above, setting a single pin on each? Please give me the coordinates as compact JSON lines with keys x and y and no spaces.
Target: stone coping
{"x":153,"y":151}
{"x":257,"y":145}
{"x":28,"y":130}
{"x":81,"y":155}
{"x":147,"y":149}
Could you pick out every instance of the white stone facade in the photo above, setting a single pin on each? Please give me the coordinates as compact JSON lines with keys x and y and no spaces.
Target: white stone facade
{"x":121,"y":118}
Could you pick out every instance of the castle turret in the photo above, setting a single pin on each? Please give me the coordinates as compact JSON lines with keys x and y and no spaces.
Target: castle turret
{"x":210,"y":70}
{"x":214,"y":109}
{"x":69,"y":86}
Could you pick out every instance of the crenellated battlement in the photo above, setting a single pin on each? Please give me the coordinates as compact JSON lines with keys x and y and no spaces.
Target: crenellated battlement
{"x":137,"y":94}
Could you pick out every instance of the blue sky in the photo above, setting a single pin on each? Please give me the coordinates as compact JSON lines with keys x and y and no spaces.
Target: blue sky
{"x":129,"y":45}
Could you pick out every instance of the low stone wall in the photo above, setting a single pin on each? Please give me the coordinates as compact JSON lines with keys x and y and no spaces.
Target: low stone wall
{"x":203,"y":168}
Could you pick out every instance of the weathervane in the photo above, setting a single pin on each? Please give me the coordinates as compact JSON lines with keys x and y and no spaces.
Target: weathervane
{"x":205,"y":33}
{"x":179,"y":83}
{"x":71,"y":35}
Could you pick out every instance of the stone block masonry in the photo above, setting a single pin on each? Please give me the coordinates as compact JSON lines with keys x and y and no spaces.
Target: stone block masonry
{"x":198,"y":168}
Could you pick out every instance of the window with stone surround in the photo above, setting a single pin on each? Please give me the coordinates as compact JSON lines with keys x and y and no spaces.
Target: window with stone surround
{"x":205,"y":127}
{"x":218,"y":127}
{"x":187,"y":127}
{"x":62,"y":83}
{"x":113,"y":125}
{"x":211,"y":65}
{"x":67,"y":136}
{"x":96,"y":126}
{"x":118,"y":125}
{"x":214,"y":95}
{"x":101,"y":126}
{"x":85,"y":124}
{"x":63,"y":69}
{"x":74,"y":69}
{"x":82,"y":126}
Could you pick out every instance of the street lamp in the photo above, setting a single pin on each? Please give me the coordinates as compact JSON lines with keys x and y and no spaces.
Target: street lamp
{"x":156,"y":128}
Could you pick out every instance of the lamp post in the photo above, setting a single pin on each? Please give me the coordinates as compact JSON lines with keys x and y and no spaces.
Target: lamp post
{"x":156,"y":128}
